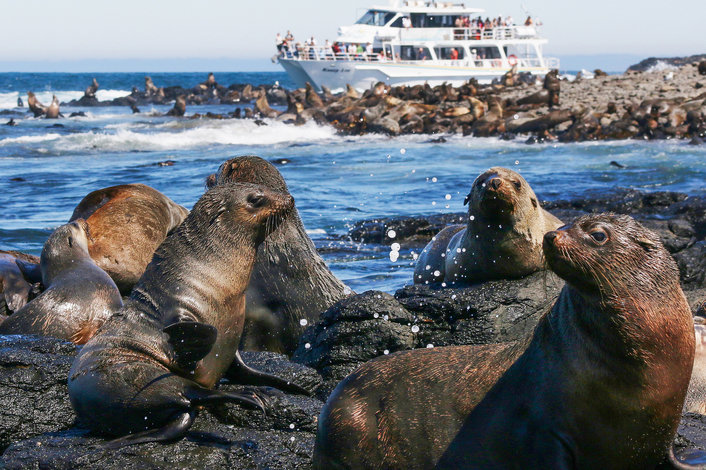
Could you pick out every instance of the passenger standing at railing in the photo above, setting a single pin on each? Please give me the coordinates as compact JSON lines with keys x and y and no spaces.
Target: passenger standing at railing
{"x":458,"y":33}
{"x":336,"y":48}
{"x":528,"y":21}
{"x":352,"y":50}
{"x":369,"y":51}
{"x":454,"y":54}
{"x":279,"y":42}
{"x":406,"y":22}
{"x":289,"y":37}
{"x":509,"y":21}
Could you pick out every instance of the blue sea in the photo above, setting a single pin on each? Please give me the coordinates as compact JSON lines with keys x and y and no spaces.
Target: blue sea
{"x":47,"y":167}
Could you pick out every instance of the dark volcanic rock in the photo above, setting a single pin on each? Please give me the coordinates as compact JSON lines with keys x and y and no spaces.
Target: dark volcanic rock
{"x":208,"y":445}
{"x":33,"y":391}
{"x":675,"y":61}
{"x":415,"y":231}
{"x":365,"y":326}
{"x":33,"y":387}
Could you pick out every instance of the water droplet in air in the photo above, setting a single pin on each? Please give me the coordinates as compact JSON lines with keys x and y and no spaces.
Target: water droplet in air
{"x":415,"y":329}
{"x":386,"y":352}
{"x":434,"y":180}
{"x":437,"y":273}
{"x":307,"y":346}
{"x":403,"y":151}
{"x":429,"y":346}
{"x":291,"y":426}
{"x":303,"y":322}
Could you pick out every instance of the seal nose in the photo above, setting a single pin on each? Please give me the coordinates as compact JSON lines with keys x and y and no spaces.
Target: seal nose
{"x":494,"y":183}
{"x":551,"y":237}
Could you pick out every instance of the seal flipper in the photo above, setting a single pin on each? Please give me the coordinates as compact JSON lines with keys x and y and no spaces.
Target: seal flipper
{"x":32,"y":272}
{"x":202,"y":396}
{"x":191,"y":341}
{"x":244,"y":374}
{"x":174,"y":430}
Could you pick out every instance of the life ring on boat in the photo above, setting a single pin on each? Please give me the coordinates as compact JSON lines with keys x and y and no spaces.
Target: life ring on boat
{"x":512,"y":59}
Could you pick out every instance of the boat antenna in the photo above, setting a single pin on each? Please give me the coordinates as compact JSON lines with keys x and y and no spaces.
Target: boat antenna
{"x":524,"y":9}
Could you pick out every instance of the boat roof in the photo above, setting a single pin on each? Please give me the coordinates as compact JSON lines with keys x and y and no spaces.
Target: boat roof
{"x":421,"y":6}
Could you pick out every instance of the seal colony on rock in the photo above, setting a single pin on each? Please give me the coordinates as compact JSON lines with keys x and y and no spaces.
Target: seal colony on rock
{"x":153,"y":363}
{"x":602,"y":381}
{"x":502,"y":238}
{"x":127,"y":223}
{"x":79,"y":296}
{"x":290,"y":280}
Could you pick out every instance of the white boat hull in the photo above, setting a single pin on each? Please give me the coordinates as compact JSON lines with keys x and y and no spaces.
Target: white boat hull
{"x":362,"y":75}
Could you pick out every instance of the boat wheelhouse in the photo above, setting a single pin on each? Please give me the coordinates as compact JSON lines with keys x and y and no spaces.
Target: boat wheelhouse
{"x":415,"y":42}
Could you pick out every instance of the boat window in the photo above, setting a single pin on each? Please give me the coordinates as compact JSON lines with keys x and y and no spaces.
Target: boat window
{"x":415,"y":53}
{"x":376,"y":18}
{"x":486,"y":52}
{"x":422,"y":20}
{"x":447,"y":53}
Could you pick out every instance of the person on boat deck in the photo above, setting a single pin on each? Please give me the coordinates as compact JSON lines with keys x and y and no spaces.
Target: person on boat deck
{"x":422,"y":54}
{"x":509,"y":21}
{"x":279,"y":41}
{"x":528,"y":21}
{"x":369,"y":50}
{"x":474,"y":55}
{"x":289,"y":37}
{"x":454,"y":54}
{"x":406,"y":22}
{"x":336,"y":48}
{"x":352,"y":49}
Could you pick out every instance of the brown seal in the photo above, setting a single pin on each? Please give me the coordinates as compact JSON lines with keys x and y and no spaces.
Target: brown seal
{"x":14,"y":287}
{"x":502,"y":238}
{"x":156,"y":361}
{"x":37,"y":108}
{"x":179,"y":107}
{"x":127,"y":223}
{"x":53,"y":111}
{"x":79,"y":296}
{"x":600,"y":385}
{"x":291,"y":284}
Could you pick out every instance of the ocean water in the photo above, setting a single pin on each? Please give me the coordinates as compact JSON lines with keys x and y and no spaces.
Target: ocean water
{"x":47,"y":167}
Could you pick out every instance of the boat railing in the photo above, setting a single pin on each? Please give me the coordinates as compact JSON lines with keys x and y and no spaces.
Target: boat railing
{"x":324,"y":53}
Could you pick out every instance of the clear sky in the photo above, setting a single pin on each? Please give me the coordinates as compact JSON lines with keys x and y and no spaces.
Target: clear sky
{"x":51,"y":31}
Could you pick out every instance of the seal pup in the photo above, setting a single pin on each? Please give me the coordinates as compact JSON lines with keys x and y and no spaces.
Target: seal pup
{"x":502,"y":237}
{"x":599,"y":385}
{"x":290,"y":281}
{"x":127,"y":223}
{"x":156,"y":361}
{"x":79,"y":296}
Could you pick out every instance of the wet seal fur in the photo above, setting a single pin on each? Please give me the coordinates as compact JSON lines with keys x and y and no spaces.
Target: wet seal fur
{"x":127,"y":223}
{"x":290,"y":280}
{"x":79,"y":296}
{"x":600,"y":385}
{"x":501,"y":240}
{"x":153,"y":364}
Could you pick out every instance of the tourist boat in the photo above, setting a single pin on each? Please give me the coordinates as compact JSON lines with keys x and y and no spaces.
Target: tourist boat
{"x":416,"y":42}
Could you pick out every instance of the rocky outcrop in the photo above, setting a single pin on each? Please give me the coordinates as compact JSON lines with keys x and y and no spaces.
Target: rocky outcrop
{"x":651,"y":62}
{"x":37,"y":430}
{"x":368,"y":325}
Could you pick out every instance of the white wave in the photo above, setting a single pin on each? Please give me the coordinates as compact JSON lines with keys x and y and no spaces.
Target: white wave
{"x":233,"y":132}
{"x":661,"y":66}
{"x":316,"y":231}
{"x":9,"y":100}
{"x":29,"y":139}
{"x":107,"y":95}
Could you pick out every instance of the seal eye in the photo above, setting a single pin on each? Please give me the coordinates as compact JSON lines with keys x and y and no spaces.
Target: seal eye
{"x":599,"y":236}
{"x":71,"y":241}
{"x":518,"y":185}
{"x":256,"y":200}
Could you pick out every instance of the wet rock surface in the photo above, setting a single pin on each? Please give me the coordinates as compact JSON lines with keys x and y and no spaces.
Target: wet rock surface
{"x":371,"y":324}
{"x":33,"y":391}
{"x":38,"y":423}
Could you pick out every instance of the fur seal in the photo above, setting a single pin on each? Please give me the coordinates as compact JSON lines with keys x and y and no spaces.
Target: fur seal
{"x":79,"y":296}
{"x":290,"y":280}
{"x":179,"y":107}
{"x":14,"y":287}
{"x":53,"y":109}
{"x":127,"y":223}
{"x":154,"y":362}
{"x":596,"y":387}
{"x":37,"y":108}
{"x":502,"y":238}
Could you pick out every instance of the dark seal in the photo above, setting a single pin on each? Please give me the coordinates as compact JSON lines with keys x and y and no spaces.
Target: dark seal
{"x":155,"y":362}
{"x":127,"y":223}
{"x":600,"y":385}
{"x":502,"y":238}
{"x":79,"y":296}
{"x":291,"y":284}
